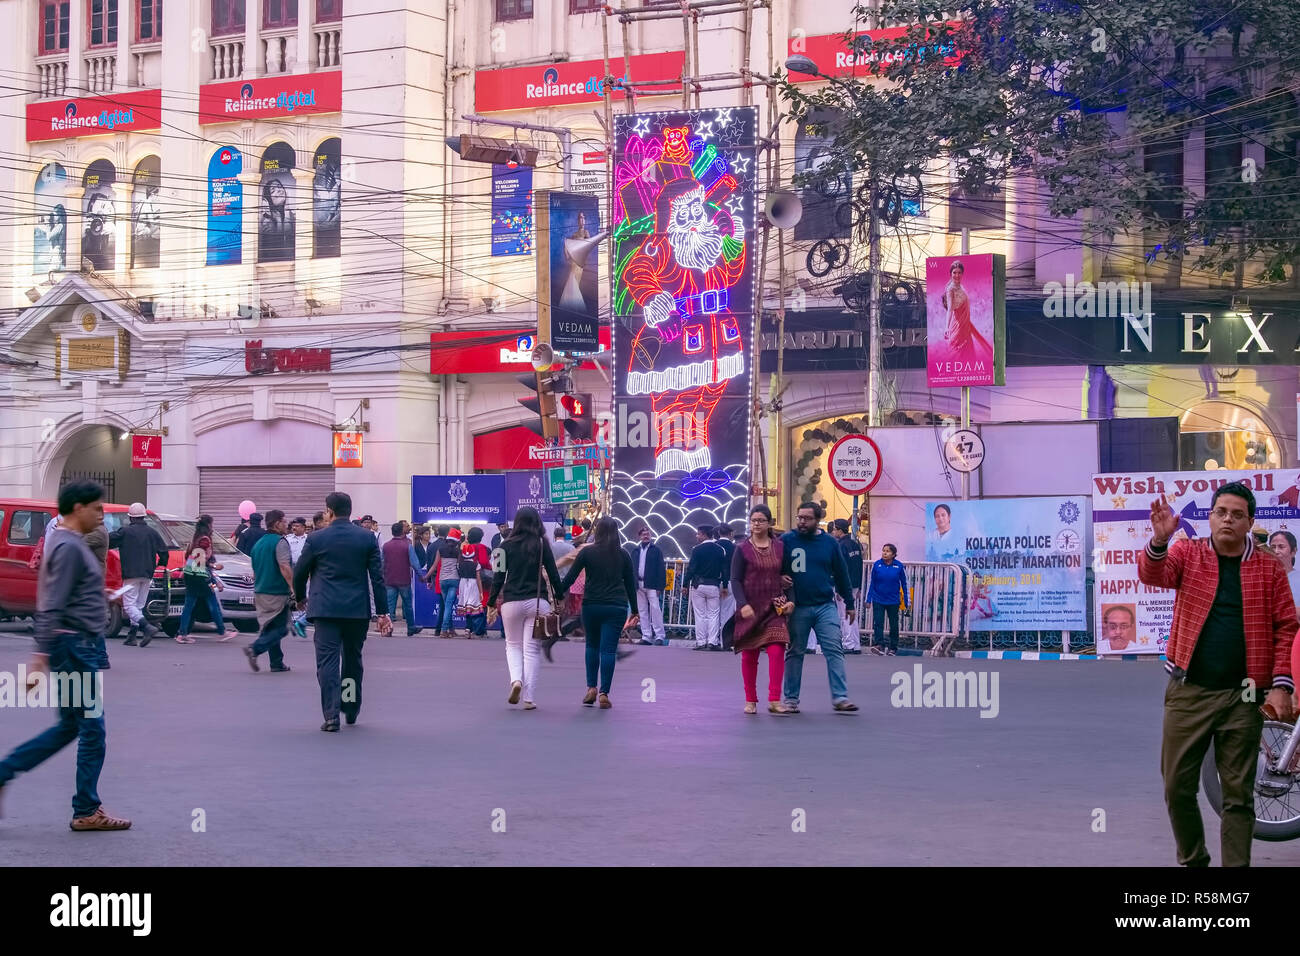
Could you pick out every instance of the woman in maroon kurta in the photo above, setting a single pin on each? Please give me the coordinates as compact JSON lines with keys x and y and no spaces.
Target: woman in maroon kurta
{"x":761,"y":606}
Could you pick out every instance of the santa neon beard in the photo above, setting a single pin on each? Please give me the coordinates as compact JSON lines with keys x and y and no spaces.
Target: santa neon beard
{"x":696,"y":250}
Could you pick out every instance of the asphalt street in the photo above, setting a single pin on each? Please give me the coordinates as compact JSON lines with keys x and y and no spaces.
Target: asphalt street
{"x":685,"y":779}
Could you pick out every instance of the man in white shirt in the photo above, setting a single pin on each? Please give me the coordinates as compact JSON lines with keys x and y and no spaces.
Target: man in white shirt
{"x":296,"y":537}
{"x":651,"y":579}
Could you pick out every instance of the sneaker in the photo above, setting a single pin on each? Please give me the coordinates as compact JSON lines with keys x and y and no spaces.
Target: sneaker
{"x":791,"y":707}
{"x":99,"y":820}
{"x":846,"y":706}
{"x":330,"y":726}
{"x":878,"y":651}
{"x":252,"y":658}
{"x":529,"y":705}
{"x":891,"y":653}
{"x":130,"y":638}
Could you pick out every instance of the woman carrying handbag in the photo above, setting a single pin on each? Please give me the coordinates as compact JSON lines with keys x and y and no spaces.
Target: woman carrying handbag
{"x":525,"y":590}
{"x":610,"y":593}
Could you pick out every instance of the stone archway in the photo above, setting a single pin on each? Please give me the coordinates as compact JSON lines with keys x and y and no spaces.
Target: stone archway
{"x":94,"y":450}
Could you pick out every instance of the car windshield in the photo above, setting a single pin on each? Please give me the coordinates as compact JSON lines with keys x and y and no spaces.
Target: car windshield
{"x":115,"y":519}
{"x":184,"y":531}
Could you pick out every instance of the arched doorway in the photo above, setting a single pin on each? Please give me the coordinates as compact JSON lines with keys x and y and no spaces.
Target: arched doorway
{"x":1221,"y":435}
{"x":101,"y":453}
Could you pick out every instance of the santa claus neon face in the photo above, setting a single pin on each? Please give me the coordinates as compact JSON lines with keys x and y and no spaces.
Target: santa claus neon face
{"x":695,"y":239}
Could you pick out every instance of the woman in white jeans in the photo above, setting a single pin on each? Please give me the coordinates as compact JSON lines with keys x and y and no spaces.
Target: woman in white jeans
{"x":522,"y":595}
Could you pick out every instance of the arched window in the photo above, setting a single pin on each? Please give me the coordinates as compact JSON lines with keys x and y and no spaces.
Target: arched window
{"x":50,"y":241}
{"x":326,"y":200}
{"x":225,"y":207}
{"x":277,"y":221}
{"x":146,"y":217}
{"x":99,"y":216}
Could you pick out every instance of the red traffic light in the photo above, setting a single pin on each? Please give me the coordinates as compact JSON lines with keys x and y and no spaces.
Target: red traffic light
{"x":573,"y":405}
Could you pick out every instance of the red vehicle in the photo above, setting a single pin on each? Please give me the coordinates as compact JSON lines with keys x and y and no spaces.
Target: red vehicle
{"x":22,"y":527}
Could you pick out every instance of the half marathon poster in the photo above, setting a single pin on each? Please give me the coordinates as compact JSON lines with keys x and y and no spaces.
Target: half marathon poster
{"x":1026,"y":557}
{"x":682,"y":291}
{"x":1135,"y":618}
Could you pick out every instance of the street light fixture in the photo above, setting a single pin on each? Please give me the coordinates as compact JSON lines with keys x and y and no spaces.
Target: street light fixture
{"x":799,"y":63}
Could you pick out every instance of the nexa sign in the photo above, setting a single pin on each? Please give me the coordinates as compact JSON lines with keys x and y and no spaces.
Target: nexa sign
{"x":1241,"y":334}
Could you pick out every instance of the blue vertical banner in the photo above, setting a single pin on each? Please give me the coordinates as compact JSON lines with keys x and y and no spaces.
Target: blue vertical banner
{"x":512,"y":210}
{"x":225,"y":207}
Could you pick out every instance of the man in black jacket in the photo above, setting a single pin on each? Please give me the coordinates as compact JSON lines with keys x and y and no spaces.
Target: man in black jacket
{"x":337,"y":560}
{"x":250,"y":535}
{"x":651,"y":581}
{"x":142,"y":550}
{"x":706,"y":573}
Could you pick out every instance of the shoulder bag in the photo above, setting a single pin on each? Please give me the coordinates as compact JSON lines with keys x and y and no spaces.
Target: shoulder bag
{"x":546,"y":627}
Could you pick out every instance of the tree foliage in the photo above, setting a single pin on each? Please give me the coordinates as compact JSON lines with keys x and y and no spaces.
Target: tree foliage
{"x":1082,"y":97}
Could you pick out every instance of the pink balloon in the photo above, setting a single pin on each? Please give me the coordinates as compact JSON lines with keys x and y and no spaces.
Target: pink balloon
{"x":246,"y":508}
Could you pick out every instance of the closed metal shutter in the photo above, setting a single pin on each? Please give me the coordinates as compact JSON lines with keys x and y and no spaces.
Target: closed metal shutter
{"x":294,"y":489}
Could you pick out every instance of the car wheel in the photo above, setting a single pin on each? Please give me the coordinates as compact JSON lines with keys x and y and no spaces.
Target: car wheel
{"x":170,"y":626}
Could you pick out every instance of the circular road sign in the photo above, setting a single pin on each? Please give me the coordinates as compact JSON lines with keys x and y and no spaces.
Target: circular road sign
{"x":855,"y":464}
{"x":964,"y":450}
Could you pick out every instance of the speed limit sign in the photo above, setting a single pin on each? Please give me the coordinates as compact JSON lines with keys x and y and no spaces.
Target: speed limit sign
{"x":855,"y":464}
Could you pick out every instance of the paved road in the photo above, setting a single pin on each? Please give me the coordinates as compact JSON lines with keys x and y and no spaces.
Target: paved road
{"x":687,"y":779}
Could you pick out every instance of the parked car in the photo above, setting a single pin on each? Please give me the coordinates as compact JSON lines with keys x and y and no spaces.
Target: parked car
{"x":22,"y":526}
{"x":167,"y":599}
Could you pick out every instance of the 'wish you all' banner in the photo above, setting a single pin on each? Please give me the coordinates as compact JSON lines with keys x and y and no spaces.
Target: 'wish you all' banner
{"x":1132,"y":617}
{"x":1026,"y":556}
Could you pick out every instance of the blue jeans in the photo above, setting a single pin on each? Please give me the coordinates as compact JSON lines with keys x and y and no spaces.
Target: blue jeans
{"x":201,"y":592}
{"x":603,"y":623}
{"x":449,"y":589}
{"x":73,"y":724}
{"x":824,"y":619}
{"x":268,"y":642}
{"x":408,"y":609}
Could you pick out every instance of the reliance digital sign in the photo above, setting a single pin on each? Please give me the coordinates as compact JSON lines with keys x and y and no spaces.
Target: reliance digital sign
{"x":683,"y":296}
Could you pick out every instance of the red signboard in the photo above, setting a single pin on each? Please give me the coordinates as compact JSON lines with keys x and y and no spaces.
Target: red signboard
{"x":347,"y":449}
{"x":295,"y":94}
{"x":835,"y":58}
{"x":259,"y":360}
{"x":146,"y":451}
{"x":489,"y":350}
{"x":562,"y":84}
{"x":126,"y":112}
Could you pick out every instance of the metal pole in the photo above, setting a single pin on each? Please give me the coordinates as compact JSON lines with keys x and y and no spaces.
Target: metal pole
{"x":627,"y":67}
{"x":965,"y":389}
{"x":686,"y":57}
{"x":873,"y":311}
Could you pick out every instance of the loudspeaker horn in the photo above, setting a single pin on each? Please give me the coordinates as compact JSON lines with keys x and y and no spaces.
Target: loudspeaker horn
{"x":543,"y":357}
{"x":783,"y":208}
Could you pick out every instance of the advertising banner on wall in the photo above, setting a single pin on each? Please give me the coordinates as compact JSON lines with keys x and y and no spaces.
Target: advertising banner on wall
{"x":512,"y":210}
{"x":50,"y":239}
{"x":862,"y":54}
{"x":130,"y":111}
{"x":448,"y":499}
{"x":146,"y":451}
{"x":966,"y":320}
{"x":1132,"y":617}
{"x":225,"y":207}
{"x":348,"y":449}
{"x":569,"y":237}
{"x":1027,"y":557}
{"x":294,"y":94}
{"x":683,"y":299}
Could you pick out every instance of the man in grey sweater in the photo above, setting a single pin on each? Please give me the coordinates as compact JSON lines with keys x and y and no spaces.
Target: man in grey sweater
{"x":71,"y":616}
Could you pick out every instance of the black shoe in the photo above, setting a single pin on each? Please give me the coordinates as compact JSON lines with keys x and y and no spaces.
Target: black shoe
{"x":150,"y":632}
{"x":644,"y":643}
{"x":437,"y":632}
{"x":701,"y":647}
{"x":412,"y":631}
{"x":330,"y":726}
{"x":130,"y":639}
{"x":282,"y":669}
{"x":350,"y":717}
{"x":252,"y":658}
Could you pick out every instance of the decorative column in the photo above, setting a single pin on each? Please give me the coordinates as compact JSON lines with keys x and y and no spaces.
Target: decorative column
{"x":254,"y":55}
{"x":305,"y":61}
{"x":125,"y":34}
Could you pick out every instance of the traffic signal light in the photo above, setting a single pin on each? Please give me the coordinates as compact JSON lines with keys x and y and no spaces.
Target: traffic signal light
{"x":542,"y":404}
{"x":580,"y":423}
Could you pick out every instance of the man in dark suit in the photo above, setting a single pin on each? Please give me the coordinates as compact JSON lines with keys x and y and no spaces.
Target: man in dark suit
{"x":337,"y":560}
{"x":651,"y":581}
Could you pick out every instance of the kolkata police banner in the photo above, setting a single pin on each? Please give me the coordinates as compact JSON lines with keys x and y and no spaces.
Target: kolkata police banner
{"x":1132,"y":617}
{"x":1026,"y":557}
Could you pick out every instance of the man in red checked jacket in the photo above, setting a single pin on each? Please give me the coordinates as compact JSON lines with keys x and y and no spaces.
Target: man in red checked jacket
{"x":1234,"y":622}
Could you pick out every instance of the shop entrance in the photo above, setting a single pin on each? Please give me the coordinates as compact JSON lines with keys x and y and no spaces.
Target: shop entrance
{"x":1216,"y":435}
{"x":100,"y":453}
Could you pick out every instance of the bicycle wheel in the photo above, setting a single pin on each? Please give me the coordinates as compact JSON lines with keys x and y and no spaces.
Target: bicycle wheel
{"x":1277,"y":796}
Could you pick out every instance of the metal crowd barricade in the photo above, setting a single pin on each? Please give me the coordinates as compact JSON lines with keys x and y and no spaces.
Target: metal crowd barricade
{"x":938,"y":599}
{"x":678,"y":620}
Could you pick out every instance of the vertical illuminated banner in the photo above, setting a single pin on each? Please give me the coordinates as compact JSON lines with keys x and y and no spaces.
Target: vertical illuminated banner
{"x":569,"y":237}
{"x":683,"y":301}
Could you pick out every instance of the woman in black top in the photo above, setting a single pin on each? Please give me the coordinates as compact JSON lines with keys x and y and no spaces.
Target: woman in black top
{"x":610,"y":592}
{"x":523,"y":596}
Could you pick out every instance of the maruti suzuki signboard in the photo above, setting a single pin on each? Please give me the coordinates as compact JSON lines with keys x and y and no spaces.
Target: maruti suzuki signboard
{"x":128,"y":112}
{"x":297,"y":94}
{"x":562,"y":84}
